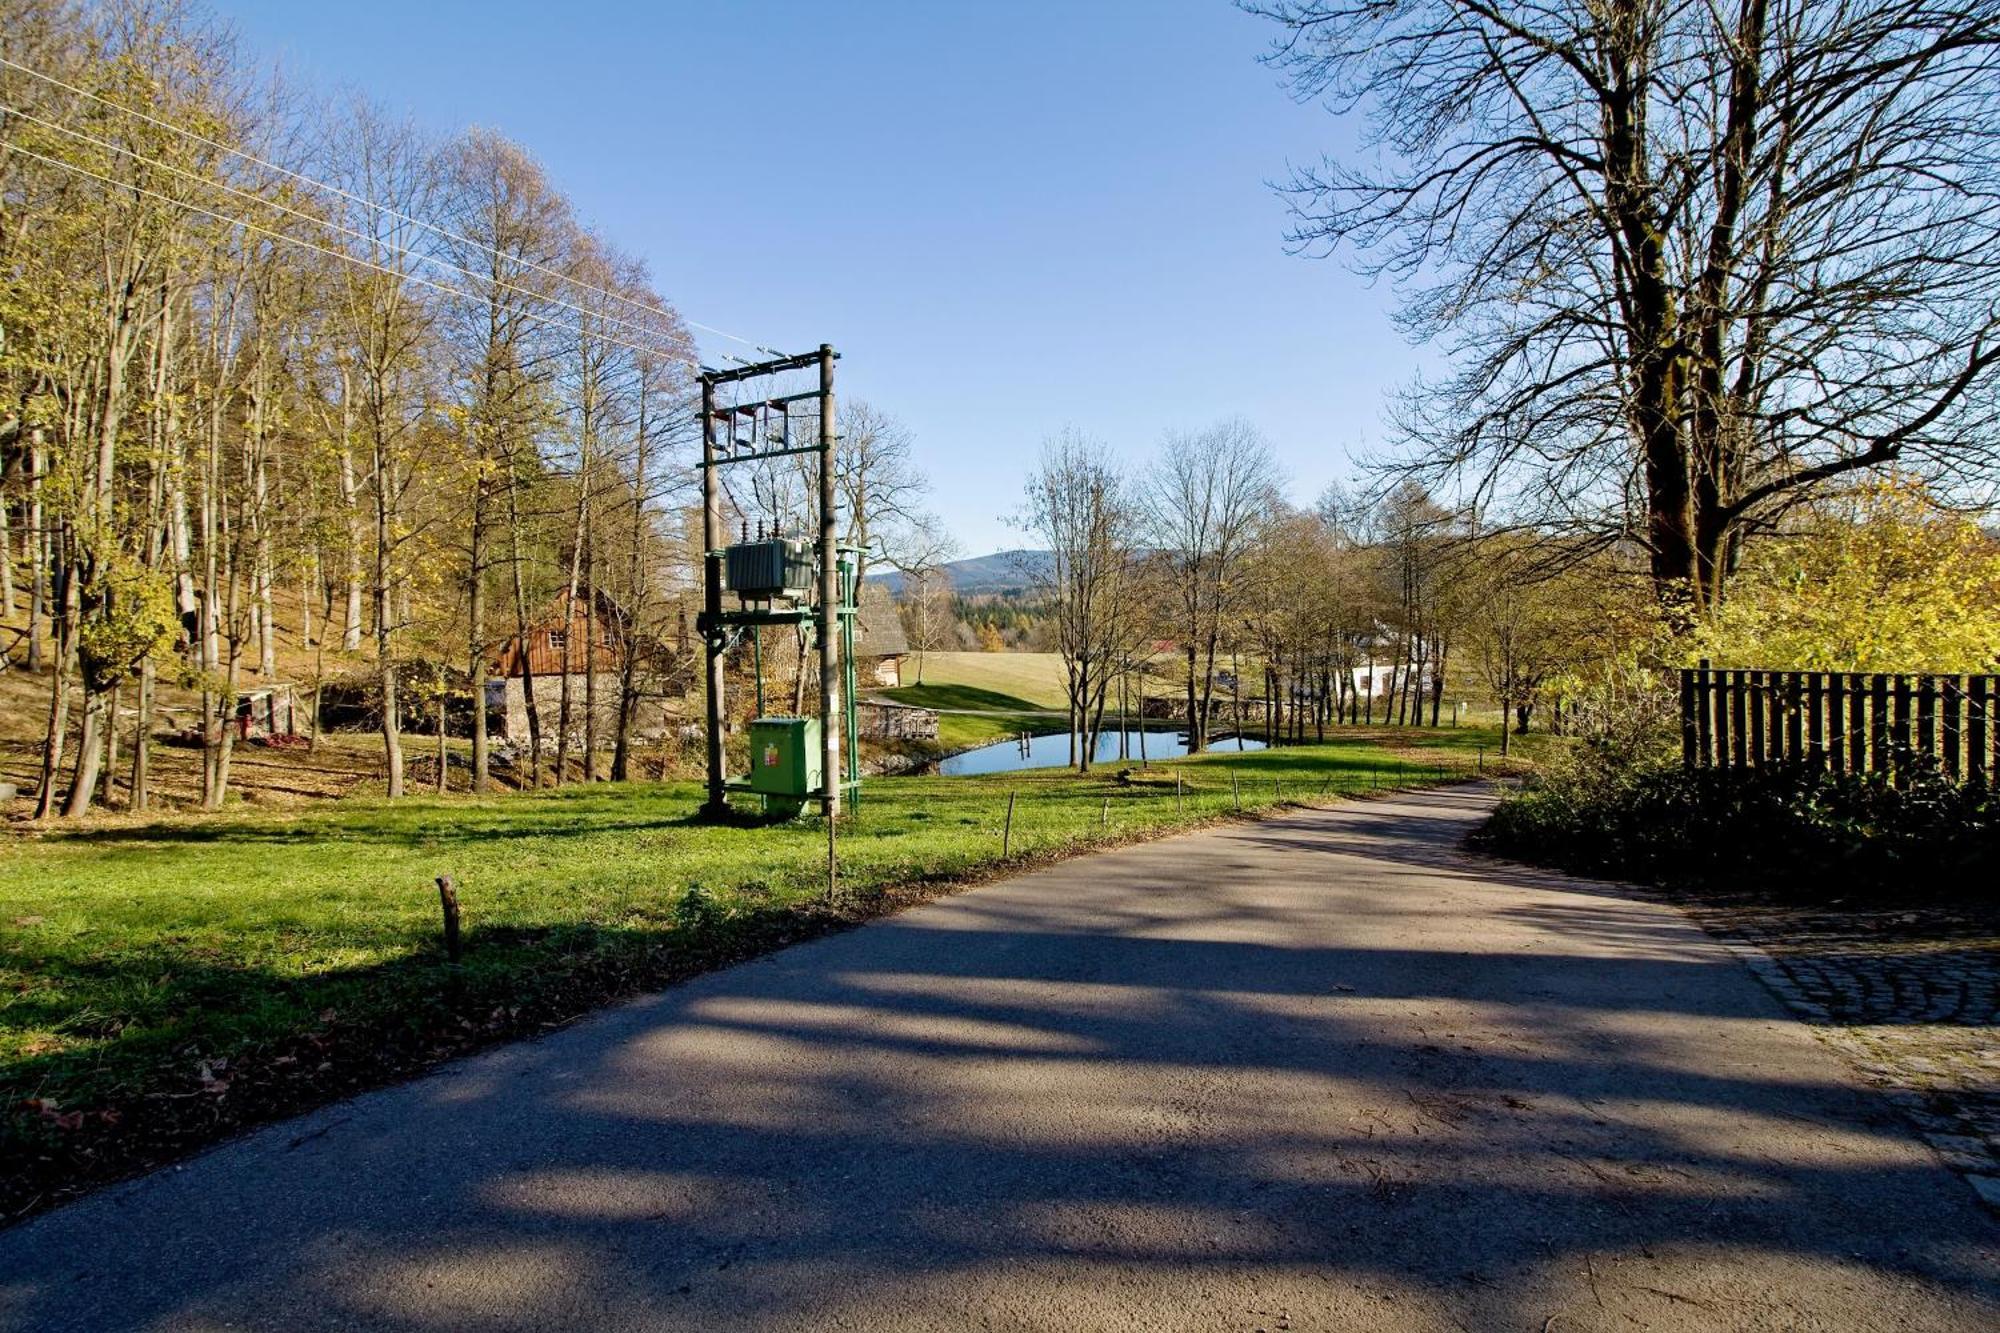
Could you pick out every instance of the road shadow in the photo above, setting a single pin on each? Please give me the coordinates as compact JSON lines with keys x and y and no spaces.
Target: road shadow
{"x":1306,"y":1056}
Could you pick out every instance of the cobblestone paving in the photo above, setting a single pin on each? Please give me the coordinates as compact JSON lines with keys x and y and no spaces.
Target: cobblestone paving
{"x":1911,"y":997}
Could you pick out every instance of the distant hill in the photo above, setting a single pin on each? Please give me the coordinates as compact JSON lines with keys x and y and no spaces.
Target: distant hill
{"x":999,"y":574}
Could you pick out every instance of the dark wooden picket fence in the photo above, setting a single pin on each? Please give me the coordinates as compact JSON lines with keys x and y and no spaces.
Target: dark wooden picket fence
{"x":1845,"y":721}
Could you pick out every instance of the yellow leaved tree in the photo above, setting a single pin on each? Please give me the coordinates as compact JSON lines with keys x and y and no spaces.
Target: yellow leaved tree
{"x":1885,"y":581}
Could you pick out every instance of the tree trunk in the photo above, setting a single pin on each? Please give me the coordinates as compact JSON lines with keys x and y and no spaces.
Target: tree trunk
{"x":52,"y":744}
{"x":142,"y":741}
{"x":476,"y":632}
{"x":38,"y":556}
{"x":392,"y":741}
{"x":1193,"y":698}
{"x":521,"y":628}
{"x":350,"y":501}
{"x":589,"y":654}
{"x":6,"y":548}
{"x":443,"y":756}
{"x":110,"y":771}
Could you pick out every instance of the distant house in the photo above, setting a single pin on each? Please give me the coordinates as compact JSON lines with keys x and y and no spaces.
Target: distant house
{"x":584,"y":637}
{"x":879,"y":642}
{"x":555,"y":642}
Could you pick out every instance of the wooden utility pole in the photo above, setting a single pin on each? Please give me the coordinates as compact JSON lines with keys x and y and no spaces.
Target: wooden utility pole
{"x":829,"y":596}
{"x":711,"y":598}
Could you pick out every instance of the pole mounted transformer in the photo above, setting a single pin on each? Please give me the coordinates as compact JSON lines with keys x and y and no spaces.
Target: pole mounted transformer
{"x":778,"y":579}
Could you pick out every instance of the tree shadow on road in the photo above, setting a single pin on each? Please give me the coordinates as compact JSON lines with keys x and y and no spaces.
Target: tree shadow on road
{"x":1350,"y":1084}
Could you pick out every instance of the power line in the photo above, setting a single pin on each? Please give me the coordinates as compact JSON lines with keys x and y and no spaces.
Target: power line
{"x":432,"y":227}
{"x":417,"y":255}
{"x":341,"y":255}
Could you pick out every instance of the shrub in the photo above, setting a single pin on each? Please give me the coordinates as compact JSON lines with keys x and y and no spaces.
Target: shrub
{"x":1792,"y":829}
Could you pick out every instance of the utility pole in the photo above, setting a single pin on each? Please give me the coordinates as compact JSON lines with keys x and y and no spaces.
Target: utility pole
{"x":829,"y":596}
{"x":711,"y":597}
{"x":753,"y":428}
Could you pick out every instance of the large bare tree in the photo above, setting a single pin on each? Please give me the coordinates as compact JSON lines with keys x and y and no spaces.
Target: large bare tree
{"x":1689,"y":263}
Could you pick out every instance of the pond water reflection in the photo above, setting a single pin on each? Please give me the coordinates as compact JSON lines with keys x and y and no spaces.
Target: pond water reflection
{"x":1052,"y":751}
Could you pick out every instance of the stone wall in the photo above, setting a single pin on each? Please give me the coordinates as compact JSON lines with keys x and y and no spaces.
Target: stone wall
{"x":507,"y":709}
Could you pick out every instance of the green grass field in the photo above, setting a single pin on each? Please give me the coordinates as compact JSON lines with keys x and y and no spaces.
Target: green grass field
{"x":1035,"y":679}
{"x":165,"y":983}
{"x":969,"y":715}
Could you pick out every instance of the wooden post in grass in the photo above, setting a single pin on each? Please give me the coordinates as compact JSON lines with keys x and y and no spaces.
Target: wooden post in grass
{"x":1236,"y":786}
{"x":1007,"y":834}
{"x":1180,"y":805}
{"x":832,"y":854}
{"x":448,"y":899}
{"x":1276,"y":796}
{"x":1104,"y":816}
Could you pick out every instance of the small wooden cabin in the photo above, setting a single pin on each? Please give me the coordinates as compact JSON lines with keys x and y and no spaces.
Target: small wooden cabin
{"x":555,"y":641}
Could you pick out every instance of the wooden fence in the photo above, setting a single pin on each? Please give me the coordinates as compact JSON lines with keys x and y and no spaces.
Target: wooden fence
{"x":1843,"y":721}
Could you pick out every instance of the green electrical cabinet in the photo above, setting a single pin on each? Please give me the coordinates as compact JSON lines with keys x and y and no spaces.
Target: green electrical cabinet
{"x":785,"y":758}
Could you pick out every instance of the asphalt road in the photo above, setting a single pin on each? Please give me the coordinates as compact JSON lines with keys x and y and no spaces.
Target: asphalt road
{"x":1318,"y":1072}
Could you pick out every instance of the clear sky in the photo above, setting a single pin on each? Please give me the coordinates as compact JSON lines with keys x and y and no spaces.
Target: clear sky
{"x":1008,"y":217}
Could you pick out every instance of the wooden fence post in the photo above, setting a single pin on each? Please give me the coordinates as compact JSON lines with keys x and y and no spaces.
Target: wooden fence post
{"x":1816,"y":719}
{"x":1007,"y":833}
{"x":1927,"y":733}
{"x":1878,"y":724}
{"x":1857,"y":724}
{"x":1781,"y":717}
{"x":1900,"y":725}
{"x":1759,"y":715}
{"x":1953,"y":729}
{"x":1704,"y":719}
{"x":1794,"y":705}
{"x":1976,"y":730}
{"x":448,"y":900}
{"x":1726,"y":727}
{"x":1836,"y":721}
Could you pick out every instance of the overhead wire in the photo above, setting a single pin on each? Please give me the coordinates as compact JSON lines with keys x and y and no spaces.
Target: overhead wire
{"x":417,"y":255}
{"x":328,"y":251}
{"x":432,"y":227}
{"x":347,"y":231}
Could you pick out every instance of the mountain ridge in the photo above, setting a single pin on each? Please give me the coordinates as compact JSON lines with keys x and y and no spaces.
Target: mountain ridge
{"x":999,"y":574}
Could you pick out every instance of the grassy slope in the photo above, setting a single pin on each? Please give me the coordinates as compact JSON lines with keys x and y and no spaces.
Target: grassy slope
{"x":1036,"y":679}
{"x":254,"y":965}
{"x":969,"y":715}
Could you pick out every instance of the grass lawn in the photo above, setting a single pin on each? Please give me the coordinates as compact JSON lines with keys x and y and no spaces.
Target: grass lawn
{"x":1034,"y":679}
{"x":163,"y":985}
{"x":969,"y":715}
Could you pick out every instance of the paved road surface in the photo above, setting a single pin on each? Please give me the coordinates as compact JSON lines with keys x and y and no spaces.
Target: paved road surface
{"x":1314,"y":1073}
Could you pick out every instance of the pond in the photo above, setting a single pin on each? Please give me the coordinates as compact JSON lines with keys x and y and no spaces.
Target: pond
{"x":1052,"y":751}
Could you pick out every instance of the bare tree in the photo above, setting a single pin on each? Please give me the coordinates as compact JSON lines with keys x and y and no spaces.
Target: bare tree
{"x":1205,"y":499}
{"x":1079,"y":508}
{"x":880,"y":487}
{"x":1690,"y":262}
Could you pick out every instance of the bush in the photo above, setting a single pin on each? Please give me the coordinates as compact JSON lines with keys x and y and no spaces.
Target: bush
{"x":1793,"y":829}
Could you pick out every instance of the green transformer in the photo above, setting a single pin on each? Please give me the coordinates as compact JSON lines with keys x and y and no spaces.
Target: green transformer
{"x":785,"y":760}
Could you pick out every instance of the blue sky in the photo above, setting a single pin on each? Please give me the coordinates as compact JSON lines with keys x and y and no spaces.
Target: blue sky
{"x":1008,"y":217}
